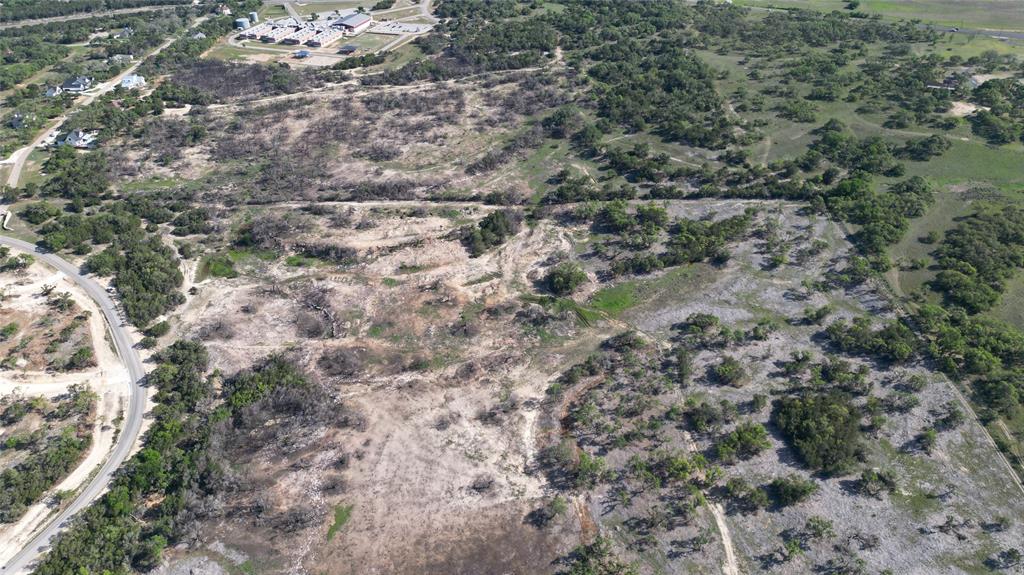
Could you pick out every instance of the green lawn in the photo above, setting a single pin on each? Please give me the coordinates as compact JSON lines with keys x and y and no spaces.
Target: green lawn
{"x":975,"y":162}
{"x":615,"y":299}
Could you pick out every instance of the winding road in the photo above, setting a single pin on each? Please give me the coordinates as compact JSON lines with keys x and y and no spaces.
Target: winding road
{"x":131,"y":425}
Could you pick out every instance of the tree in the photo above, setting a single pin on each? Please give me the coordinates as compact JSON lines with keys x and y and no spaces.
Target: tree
{"x":823,"y":429}
{"x":729,"y":371}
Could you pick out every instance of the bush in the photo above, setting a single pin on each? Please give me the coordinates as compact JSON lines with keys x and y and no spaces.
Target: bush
{"x":791,"y":490}
{"x":564,"y":278}
{"x":729,"y":372}
{"x":493,"y":230}
{"x":159,"y":329}
{"x":744,"y":442}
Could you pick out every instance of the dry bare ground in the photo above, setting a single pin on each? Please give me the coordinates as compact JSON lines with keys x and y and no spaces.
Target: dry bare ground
{"x":440,"y":366}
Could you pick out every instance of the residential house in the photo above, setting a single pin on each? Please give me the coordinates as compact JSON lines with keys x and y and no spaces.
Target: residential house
{"x":132,"y":81}
{"x":79,"y":139}
{"x":77,"y":84}
{"x":54,"y":91}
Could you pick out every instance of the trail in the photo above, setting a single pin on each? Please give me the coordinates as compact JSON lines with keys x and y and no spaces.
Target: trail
{"x":730,"y":566}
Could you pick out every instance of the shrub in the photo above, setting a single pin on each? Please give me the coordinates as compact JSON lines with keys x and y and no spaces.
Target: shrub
{"x":791,"y":490}
{"x":729,"y":372}
{"x":564,"y":278}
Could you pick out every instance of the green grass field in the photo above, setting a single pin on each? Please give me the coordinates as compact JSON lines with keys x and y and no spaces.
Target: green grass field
{"x":991,"y":14}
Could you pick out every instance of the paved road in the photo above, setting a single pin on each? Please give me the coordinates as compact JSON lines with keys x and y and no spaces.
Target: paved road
{"x":130,"y":427}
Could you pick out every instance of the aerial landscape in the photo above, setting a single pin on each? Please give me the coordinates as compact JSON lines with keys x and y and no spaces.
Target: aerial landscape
{"x":579,"y":287}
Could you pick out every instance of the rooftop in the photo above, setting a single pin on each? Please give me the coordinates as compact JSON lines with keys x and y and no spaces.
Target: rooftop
{"x":353,"y":20}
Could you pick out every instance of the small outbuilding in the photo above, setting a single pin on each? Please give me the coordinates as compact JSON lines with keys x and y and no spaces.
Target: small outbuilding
{"x":348,"y":49}
{"x":18,"y":121}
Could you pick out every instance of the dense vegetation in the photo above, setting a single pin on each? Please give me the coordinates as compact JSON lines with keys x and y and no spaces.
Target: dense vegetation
{"x":174,"y":466}
{"x":493,"y":230}
{"x":979,"y":256}
{"x":145,"y":270}
{"x":824,"y":429}
{"x":52,"y":457}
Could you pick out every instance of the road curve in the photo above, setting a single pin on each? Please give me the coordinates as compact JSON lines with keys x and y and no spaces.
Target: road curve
{"x":130,"y":427}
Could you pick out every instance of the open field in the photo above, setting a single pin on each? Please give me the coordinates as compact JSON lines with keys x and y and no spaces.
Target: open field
{"x":990,"y":14}
{"x":521,"y":300}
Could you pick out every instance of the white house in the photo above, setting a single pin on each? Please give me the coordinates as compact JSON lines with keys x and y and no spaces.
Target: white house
{"x":54,"y":91}
{"x":132,"y":81}
{"x":79,"y":139}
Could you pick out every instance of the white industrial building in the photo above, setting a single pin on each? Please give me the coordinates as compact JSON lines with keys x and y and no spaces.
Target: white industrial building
{"x":277,"y":32}
{"x":325,"y":36}
{"x":354,"y":23}
{"x":300,"y":36}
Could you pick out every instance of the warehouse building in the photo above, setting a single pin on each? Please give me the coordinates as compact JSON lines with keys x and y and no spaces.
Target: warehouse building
{"x":325,"y":36}
{"x":354,"y":23}
{"x":299,"y":36}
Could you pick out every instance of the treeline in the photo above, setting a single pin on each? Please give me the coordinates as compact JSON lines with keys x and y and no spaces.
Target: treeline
{"x":1003,"y":121}
{"x":145,"y":270}
{"x":14,"y":10}
{"x":883,"y":215}
{"x":662,"y":87}
{"x":782,"y":30}
{"x":25,"y":56}
{"x":472,"y":45}
{"x":174,"y":468}
{"x":978,"y":257}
